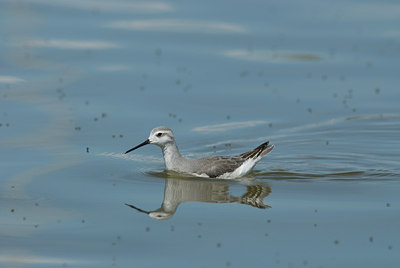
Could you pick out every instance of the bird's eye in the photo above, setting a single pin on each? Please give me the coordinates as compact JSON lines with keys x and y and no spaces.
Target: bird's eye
{"x":159,"y":134}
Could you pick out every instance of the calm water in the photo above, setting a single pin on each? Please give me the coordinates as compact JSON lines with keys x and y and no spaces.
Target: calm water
{"x":83,"y":81}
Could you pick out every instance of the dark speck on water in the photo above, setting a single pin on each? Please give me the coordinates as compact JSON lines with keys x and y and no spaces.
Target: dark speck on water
{"x":158,"y":52}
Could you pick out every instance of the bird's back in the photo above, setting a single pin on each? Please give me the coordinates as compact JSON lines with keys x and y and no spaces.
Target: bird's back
{"x":230,"y":166}
{"x":215,"y":166}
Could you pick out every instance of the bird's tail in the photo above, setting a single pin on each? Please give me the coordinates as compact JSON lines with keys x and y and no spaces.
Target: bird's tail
{"x":258,"y":152}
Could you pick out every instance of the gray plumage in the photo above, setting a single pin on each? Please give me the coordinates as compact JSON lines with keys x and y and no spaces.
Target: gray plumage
{"x":211,"y":166}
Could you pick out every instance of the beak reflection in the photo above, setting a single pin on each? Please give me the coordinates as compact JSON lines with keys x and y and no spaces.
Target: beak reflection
{"x":138,"y":209}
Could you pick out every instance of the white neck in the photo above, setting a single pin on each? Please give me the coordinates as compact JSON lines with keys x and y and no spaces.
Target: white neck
{"x":171,"y":156}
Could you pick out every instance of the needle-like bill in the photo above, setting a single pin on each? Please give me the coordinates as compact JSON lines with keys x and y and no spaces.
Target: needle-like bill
{"x":138,"y":209}
{"x":140,"y":145}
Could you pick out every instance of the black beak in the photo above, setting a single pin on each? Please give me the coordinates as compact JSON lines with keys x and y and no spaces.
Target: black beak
{"x":140,"y":145}
{"x":138,"y":209}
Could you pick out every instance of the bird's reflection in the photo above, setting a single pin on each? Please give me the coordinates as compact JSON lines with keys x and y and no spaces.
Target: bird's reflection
{"x":179,"y":190}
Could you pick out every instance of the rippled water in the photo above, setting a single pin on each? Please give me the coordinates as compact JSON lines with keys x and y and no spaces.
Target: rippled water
{"x":83,"y":81}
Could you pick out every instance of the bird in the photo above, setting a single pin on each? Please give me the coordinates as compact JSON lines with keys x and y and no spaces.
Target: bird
{"x":221,"y":167}
{"x":178,"y":191}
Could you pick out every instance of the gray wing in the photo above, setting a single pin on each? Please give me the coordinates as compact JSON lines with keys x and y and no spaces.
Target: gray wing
{"x":215,"y":166}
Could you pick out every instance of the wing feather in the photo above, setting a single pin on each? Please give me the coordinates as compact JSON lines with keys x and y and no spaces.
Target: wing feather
{"x":218,"y":165}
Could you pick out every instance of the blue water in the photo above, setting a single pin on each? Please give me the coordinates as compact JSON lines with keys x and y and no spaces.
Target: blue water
{"x":83,"y":81}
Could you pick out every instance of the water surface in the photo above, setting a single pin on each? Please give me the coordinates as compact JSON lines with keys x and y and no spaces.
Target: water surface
{"x":83,"y":81}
